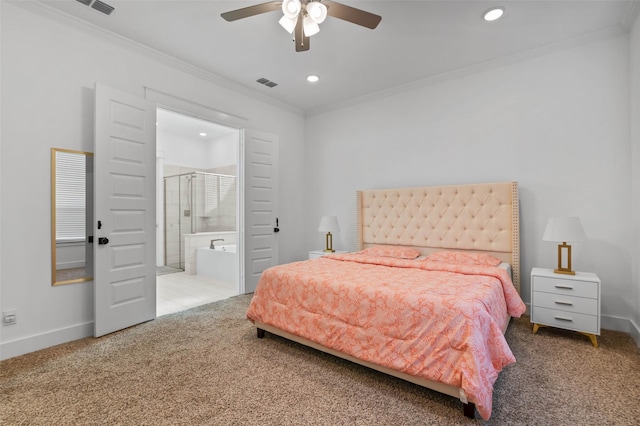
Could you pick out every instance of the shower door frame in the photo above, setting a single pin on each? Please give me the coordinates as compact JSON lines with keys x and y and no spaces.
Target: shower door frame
{"x":192,"y":207}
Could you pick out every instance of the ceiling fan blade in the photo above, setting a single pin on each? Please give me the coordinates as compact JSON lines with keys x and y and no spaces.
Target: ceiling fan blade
{"x":302,"y":41}
{"x":252,"y":10}
{"x":351,"y":14}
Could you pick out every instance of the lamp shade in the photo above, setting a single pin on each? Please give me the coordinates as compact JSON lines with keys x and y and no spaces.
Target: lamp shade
{"x":563,"y":229}
{"x":291,"y":8}
{"x":288,"y":24}
{"x":329,"y":224}
{"x":310,"y":26}
{"x":317,"y":11}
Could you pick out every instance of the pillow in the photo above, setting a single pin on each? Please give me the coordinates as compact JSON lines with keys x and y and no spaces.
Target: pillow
{"x":464,"y":258}
{"x":397,"y":252}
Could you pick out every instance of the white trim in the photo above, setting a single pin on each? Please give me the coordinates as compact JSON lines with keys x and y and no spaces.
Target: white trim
{"x":635,"y":332}
{"x":471,"y":69}
{"x":47,"y":11}
{"x":624,"y":325}
{"x":63,"y":17}
{"x":633,"y":10}
{"x":193,"y":109}
{"x":45,"y":340}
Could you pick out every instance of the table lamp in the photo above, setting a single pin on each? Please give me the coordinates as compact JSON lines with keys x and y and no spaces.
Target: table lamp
{"x":563,"y":229}
{"x":329,"y":224}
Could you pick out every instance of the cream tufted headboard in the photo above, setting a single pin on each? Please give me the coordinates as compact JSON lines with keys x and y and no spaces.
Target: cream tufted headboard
{"x":477,"y":217}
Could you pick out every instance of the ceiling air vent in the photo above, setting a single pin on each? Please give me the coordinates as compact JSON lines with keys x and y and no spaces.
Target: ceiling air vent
{"x":99,"y":6}
{"x":266,"y":82}
{"x":102,"y":7}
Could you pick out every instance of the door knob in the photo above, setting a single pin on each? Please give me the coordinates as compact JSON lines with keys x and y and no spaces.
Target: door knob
{"x":103,"y":240}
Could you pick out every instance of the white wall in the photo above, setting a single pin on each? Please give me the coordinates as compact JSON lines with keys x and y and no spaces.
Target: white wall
{"x":556,"y":122}
{"x":198,"y":153}
{"x":223,"y":151}
{"x":635,"y":166}
{"x":49,"y":68}
{"x":183,"y":151}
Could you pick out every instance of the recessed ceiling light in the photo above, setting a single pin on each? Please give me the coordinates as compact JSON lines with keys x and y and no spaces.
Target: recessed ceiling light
{"x":203,"y":134}
{"x":493,"y":13}
{"x":312,"y":78}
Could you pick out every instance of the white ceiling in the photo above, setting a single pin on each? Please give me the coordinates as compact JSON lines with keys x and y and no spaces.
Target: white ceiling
{"x":415,"y":40}
{"x":190,"y":127}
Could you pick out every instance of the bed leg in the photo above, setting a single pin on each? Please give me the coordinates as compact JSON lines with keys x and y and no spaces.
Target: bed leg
{"x":469,"y":410}
{"x":260,"y":333}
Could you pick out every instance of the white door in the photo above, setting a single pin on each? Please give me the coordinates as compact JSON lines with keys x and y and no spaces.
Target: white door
{"x":124,"y":200}
{"x":260,"y":206}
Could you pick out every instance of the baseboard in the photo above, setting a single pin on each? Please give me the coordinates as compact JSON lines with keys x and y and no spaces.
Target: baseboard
{"x":57,"y":337}
{"x":635,"y":332}
{"x":622,"y":324}
{"x":45,"y":340}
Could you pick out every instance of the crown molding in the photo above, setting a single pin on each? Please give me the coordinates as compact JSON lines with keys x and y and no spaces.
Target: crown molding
{"x":473,"y":69}
{"x":42,"y":9}
{"x":631,"y":15}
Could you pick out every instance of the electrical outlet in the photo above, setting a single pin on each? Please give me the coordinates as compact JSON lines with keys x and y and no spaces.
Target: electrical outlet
{"x":9,"y":317}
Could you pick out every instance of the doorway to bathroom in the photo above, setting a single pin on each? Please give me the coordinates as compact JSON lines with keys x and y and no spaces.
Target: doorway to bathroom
{"x":197,"y":211}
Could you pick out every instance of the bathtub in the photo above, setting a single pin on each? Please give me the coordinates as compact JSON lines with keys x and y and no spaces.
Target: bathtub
{"x":220,"y":263}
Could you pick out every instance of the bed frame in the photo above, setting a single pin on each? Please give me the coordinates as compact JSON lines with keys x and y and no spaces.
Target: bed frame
{"x":482,"y":218}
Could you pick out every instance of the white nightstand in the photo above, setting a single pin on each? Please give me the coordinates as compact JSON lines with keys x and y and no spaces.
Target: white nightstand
{"x":571,"y":302}
{"x":319,"y":253}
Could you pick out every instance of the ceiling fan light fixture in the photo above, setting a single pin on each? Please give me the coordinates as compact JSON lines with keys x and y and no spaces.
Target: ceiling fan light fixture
{"x":302,"y":17}
{"x":310,"y":26}
{"x":291,"y":8}
{"x":316,"y":11}
{"x":288,"y":24}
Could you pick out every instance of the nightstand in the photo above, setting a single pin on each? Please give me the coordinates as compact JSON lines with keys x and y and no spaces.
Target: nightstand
{"x":564,"y":301}
{"x":319,"y":253}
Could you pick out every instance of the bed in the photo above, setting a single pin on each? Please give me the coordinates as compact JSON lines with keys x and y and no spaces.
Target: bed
{"x":426,"y":298}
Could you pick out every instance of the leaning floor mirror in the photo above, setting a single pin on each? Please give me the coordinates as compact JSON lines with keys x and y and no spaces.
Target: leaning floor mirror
{"x":71,"y":216}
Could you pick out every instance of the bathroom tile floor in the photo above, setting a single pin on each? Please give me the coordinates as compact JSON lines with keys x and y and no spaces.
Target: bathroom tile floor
{"x":180,"y":291}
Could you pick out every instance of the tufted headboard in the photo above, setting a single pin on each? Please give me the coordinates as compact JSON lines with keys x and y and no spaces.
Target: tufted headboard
{"x":477,"y":217}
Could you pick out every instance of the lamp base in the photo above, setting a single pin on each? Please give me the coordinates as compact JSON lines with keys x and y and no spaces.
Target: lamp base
{"x":564,"y":271}
{"x":561,"y":269}
{"x":329,"y":243}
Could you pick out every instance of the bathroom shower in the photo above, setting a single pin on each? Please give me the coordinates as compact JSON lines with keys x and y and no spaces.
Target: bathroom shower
{"x":196,"y":202}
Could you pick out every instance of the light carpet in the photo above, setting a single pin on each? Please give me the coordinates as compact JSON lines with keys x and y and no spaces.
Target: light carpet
{"x":206,"y":366}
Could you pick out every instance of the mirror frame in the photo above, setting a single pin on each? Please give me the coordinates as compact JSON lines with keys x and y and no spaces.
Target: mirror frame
{"x":54,"y":277}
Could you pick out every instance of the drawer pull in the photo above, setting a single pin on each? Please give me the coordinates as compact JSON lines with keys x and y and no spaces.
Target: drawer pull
{"x":560,"y":302}
{"x":563,"y":319}
{"x":567,"y":287}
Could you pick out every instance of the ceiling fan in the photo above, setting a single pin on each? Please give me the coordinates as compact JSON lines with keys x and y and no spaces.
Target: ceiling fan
{"x":302,"y":17}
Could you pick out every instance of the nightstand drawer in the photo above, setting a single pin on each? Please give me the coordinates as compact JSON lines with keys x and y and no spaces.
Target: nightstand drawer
{"x":562,"y":302}
{"x":566,"y":287}
{"x":567,"y":320}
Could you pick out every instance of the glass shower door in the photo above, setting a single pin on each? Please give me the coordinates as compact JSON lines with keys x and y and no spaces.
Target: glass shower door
{"x":177,"y":218}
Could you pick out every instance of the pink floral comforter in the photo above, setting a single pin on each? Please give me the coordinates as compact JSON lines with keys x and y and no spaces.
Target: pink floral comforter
{"x":432,"y":320}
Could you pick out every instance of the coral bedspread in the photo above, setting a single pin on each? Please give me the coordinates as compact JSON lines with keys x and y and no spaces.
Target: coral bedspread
{"x":428,"y":319}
